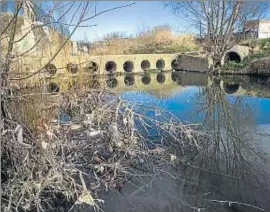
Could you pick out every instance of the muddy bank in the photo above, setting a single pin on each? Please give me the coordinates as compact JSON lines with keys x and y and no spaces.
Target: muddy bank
{"x":259,"y":67}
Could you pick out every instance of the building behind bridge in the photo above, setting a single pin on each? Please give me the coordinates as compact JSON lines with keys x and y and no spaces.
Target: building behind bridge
{"x":257,"y":29}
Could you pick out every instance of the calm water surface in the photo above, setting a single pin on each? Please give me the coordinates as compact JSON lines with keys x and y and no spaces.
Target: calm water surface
{"x":232,"y":170}
{"x":184,"y":94}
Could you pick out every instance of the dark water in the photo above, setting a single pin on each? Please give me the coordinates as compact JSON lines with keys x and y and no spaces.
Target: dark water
{"x":231,"y":172}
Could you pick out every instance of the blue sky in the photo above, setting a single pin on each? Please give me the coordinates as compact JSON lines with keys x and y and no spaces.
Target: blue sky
{"x":129,"y":20}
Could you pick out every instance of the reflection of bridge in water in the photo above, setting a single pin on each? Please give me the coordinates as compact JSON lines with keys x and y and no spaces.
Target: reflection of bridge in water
{"x":156,"y":82}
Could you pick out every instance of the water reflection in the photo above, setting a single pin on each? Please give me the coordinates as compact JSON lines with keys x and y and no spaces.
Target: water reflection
{"x":129,"y":79}
{"x":230,"y":88}
{"x":229,"y":172}
{"x":93,"y":81}
{"x":161,"y":77}
{"x":146,"y":79}
{"x":175,"y":76}
{"x":112,"y":81}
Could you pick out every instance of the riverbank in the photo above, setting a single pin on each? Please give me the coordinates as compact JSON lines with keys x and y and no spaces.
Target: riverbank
{"x":258,"y":67}
{"x":256,"y":63}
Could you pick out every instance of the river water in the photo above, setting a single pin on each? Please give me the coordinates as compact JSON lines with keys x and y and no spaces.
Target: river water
{"x":233,"y":173}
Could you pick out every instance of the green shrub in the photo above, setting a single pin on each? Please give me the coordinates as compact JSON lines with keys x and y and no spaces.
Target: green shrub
{"x":263,"y":42}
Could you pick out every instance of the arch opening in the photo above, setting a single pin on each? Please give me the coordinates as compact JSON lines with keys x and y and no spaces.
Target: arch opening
{"x":233,"y":57}
{"x":51,"y":69}
{"x":146,"y":79}
{"x":230,"y":88}
{"x":92,"y":66}
{"x":161,"y":78}
{"x":111,"y":66}
{"x":174,"y":64}
{"x":72,"y":68}
{"x":145,"y":65}
{"x":53,"y":87}
{"x":129,"y":80}
{"x":128,"y":66}
{"x":160,"y":64}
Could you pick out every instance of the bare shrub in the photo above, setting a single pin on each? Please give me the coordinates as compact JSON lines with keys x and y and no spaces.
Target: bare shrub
{"x":108,"y":142}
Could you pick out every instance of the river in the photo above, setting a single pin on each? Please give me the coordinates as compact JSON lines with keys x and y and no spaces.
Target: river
{"x":232,"y":172}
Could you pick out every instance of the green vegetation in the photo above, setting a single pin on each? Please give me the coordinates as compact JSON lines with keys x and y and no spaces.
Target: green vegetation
{"x":264,"y":51}
{"x":263,"y":43}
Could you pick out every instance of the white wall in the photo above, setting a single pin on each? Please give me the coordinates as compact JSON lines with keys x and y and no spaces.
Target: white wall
{"x":264,"y":30}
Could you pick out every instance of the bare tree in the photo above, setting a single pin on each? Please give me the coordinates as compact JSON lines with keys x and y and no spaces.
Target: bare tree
{"x":218,"y":20}
{"x":22,"y":151}
{"x":77,"y":14}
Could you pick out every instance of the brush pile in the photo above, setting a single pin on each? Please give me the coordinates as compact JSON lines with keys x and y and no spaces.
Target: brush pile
{"x":105,"y":143}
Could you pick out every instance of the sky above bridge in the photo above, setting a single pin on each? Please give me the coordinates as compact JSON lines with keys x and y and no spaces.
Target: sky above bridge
{"x":130,"y":20}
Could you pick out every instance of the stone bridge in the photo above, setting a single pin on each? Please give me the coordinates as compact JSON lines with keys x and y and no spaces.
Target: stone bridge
{"x":137,"y":63}
{"x":82,"y":64}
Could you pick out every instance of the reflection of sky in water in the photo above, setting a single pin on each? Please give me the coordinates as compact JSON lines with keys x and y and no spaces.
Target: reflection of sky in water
{"x":184,"y":104}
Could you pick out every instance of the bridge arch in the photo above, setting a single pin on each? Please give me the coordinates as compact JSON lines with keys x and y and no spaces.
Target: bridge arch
{"x":160,"y":64}
{"x":72,"y":68}
{"x":145,"y":65}
{"x":51,"y":69}
{"x":237,"y":54}
{"x":233,"y":56}
{"x":128,"y":66}
{"x":91,"y":66}
{"x":53,"y":87}
{"x":111,"y":66}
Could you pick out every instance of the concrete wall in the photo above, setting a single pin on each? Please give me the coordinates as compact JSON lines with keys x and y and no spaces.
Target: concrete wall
{"x":193,"y":63}
{"x":241,"y":51}
{"x":121,"y":59}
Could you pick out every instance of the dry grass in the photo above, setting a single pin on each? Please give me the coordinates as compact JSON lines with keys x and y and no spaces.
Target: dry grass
{"x":108,"y":142}
{"x":160,"y":39}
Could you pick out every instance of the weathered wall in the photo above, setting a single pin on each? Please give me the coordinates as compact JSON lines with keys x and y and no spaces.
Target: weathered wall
{"x":241,"y":51}
{"x":193,"y":63}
